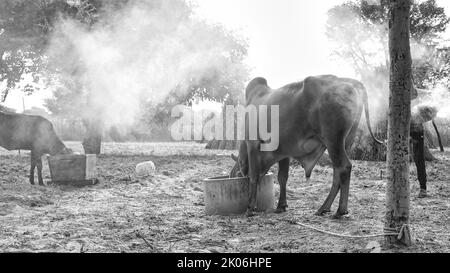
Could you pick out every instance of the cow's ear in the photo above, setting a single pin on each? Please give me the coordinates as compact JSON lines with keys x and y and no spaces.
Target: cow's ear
{"x":234,"y":157}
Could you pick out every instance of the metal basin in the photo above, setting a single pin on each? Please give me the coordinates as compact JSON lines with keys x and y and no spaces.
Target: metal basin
{"x":230,"y":196}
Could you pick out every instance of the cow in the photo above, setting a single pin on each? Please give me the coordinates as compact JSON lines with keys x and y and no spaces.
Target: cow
{"x":317,"y":114}
{"x":33,"y":133}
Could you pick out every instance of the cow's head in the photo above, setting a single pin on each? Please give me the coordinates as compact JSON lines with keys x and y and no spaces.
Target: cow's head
{"x":58,"y":148}
{"x":66,"y":151}
{"x":47,"y":141}
{"x":235,"y":171}
{"x":240,"y":168}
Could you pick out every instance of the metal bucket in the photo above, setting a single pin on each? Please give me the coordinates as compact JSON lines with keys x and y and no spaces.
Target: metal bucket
{"x":230,"y":196}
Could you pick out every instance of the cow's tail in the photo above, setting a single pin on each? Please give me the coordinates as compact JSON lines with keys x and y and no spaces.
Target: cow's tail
{"x":366,"y":109}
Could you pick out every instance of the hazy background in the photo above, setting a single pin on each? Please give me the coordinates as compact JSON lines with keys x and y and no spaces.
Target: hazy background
{"x":286,"y":40}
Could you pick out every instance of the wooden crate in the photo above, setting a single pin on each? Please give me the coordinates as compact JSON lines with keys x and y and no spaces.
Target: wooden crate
{"x":73,"y":169}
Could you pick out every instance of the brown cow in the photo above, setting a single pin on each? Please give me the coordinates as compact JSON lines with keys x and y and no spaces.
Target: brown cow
{"x":316,"y":114}
{"x":34,"y":133}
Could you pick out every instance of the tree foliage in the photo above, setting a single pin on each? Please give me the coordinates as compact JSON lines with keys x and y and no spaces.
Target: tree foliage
{"x":359,"y":30}
{"x":25,"y":26}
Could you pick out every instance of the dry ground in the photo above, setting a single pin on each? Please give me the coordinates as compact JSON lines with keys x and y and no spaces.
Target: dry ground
{"x":164,"y":213}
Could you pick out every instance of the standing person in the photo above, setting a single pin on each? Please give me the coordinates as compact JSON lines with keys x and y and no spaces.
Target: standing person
{"x":419,"y":116}
{"x":417,"y":139}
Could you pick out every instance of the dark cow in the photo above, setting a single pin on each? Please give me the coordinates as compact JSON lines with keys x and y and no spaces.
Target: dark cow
{"x":34,"y":133}
{"x":316,"y":114}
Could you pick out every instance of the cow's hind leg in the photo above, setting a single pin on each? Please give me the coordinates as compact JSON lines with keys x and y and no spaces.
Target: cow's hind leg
{"x":351,"y":137}
{"x":353,"y":131}
{"x":39,"y":168}
{"x":326,"y":206}
{"x":283,"y":174}
{"x":341,"y":178}
{"x":342,"y":168}
{"x":345,"y":174}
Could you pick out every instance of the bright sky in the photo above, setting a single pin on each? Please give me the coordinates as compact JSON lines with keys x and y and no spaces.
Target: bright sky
{"x":287,"y":40}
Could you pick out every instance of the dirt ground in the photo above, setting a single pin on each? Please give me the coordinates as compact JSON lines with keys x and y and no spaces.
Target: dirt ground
{"x":165,"y":213}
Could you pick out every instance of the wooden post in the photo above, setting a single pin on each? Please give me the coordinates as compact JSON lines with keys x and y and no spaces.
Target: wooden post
{"x":400,"y":85}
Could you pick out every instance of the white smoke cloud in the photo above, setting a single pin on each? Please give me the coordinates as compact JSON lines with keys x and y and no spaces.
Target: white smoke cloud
{"x":139,"y":53}
{"x":438,"y":97}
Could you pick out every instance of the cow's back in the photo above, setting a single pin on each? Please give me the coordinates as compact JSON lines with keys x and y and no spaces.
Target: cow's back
{"x":303,"y":104}
{"x":18,"y":131}
{"x":302,"y":101}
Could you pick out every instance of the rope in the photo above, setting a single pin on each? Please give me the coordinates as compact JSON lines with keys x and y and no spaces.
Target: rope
{"x":387,"y":231}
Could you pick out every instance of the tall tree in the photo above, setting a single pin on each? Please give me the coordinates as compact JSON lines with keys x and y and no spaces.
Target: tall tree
{"x":25,"y":29}
{"x":400,"y":85}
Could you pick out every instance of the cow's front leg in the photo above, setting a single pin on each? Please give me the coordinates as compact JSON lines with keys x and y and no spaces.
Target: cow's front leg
{"x":283,"y":174}
{"x":254,"y":177}
{"x":33,"y":166}
{"x":39,"y":172}
{"x":253,"y":190}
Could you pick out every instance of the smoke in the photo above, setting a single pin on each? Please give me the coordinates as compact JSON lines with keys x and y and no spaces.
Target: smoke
{"x":437,"y":98}
{"x":436,"y":95}
{"x":137,"y":54}
{"x":365,"y":45}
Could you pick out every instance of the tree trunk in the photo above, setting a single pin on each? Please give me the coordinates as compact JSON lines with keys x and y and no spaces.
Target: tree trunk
{"x":92,"y":141}
{"x":400,"y":84}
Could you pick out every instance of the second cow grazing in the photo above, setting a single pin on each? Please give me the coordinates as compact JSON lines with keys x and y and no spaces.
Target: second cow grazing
{"x":316,"y":114}
{"x":33,"y":133}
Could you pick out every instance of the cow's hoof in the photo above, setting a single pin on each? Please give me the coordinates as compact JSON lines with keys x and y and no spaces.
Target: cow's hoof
{"x":339,"y":215}
{"x":281,"y":209}
{"x":251,"y":212}
{"x":322,"y":212}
